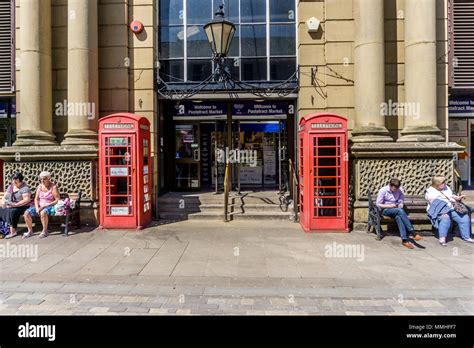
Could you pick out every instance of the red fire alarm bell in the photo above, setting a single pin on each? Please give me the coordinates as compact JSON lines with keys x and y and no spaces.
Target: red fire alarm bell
{"x":136,"y":27}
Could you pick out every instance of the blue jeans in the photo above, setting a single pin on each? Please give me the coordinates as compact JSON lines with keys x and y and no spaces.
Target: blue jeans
{"x":463,"y":222}
{"x":402,"y":220}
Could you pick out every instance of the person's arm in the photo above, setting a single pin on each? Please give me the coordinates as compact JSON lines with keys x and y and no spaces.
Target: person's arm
{"x":25,"y":199}
{"x":430,"y":195}
{"x":37,"y":201}
{"x":380,"y":200}
{"x":401,"y":199}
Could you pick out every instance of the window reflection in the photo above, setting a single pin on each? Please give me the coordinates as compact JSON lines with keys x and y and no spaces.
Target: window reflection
{"x":281,"y":69}
{"x":252,"y":11}
{"x":198,"y":45}
{"x":282,"y":40}
{"x":248,"y":55}
{"x":199,"y":11}
{"x":254,"y":69}
{"x":231,"y":10}
{"x":253,"y":38}
{"x":172,"y":70}
{"x":171,"y":42}
{"x":171,"y":12}
{"x":282,"y":11}
{"x":199,"y":69}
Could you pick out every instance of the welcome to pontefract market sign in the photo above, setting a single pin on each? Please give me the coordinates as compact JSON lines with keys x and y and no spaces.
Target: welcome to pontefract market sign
{"x":461,"y":107}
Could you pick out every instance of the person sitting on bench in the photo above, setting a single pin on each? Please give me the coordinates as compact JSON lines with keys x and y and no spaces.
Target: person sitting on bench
{"x":439,"y":190}
{"x":390,"y":200}
{"x":16,"y":200}
{"x":46,"y":197}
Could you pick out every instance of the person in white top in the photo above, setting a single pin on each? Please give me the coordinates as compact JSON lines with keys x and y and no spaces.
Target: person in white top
{"x":440,"y":190}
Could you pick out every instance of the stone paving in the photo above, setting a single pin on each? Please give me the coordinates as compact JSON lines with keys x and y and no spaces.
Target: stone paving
{"x":252,"y":268}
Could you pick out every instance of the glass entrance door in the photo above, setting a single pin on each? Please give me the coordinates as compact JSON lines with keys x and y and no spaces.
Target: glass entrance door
{"x":188,"y":157}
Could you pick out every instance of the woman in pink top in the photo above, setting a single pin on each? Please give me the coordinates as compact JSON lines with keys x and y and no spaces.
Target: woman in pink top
{"x":46,"y":197}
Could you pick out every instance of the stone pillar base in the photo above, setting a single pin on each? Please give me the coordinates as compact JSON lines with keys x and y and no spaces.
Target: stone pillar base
{"x":370,"y":134}
{"x":34,"y":137}
{"x":80,"y":137}
{"x":373,"y":165}
{"x":421,"y":134}
{"x":72,"y":169}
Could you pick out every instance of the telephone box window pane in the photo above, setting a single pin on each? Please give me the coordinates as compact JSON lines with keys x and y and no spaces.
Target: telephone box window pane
{"x":199,"y":11}
{"x":172,"y":70}
{"x":328,"y":202}
{"x":254,"y":69}
{"x":329,"y":151}
{"x":327,"y":171}
{"x":252,"y":11}
{"x":327,"y":141}
{"x":171,"y":42}
{"x":171,"y":12}
{"x":198,"y":45}
{"x":253,"y":40}
{"x":199,"y":70}
{"x":282,"y":40}
{"x":281,"y":69}
{"x":327,"y":212}
{"x":282,"y":11}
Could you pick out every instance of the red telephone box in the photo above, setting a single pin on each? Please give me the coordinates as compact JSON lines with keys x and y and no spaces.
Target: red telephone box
{"x":124,"y":171}
{"x":323,"y":173}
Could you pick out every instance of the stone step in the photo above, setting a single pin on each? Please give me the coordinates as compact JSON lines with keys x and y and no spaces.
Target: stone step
{"x":168,"y":208}
{"x":262,"y":216}
{"x":232,"y":216}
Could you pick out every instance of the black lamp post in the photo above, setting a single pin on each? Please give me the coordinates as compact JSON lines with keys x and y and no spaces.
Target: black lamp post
{"x":220,"y":33}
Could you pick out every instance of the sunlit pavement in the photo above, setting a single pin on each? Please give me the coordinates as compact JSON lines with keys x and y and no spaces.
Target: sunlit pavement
{"x":255,"y":268}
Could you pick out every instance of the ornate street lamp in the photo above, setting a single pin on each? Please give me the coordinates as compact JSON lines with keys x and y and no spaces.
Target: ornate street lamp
{"x":220,"y":33}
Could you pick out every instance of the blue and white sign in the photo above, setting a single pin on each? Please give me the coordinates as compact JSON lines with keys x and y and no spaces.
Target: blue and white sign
{"x":252,"y":109}
{"x":243,"y":110}
{"x":461,"y":107}
{"x":199,"y":111}
{"x":3,"y":110}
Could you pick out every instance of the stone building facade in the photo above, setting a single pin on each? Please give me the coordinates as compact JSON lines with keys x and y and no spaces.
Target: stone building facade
{"x":369,"y":60}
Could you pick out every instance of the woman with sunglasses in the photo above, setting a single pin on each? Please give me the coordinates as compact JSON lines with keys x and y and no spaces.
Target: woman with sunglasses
{"x":47,"y":195}
{"x":440,"y":196}
{"x":16,"y":200}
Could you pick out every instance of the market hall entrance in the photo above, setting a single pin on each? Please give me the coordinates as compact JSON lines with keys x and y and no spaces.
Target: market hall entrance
{"x":258,"y":155}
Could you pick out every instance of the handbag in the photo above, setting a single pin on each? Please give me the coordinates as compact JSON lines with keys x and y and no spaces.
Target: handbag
{"x":458,"y":207}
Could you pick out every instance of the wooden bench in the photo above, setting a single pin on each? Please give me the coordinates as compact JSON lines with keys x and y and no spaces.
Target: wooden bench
{"x":416,"y":212}
{"x":72,"y":216}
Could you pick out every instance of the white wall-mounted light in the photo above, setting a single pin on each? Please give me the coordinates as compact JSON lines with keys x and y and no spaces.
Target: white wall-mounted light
{"x":313,"y":24}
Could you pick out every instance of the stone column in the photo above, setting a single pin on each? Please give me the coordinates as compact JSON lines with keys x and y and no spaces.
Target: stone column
{"x":369,"y":72}
{"x":420,"y":72}
{"x":35,"y":122}
{"x":82,"y":73}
